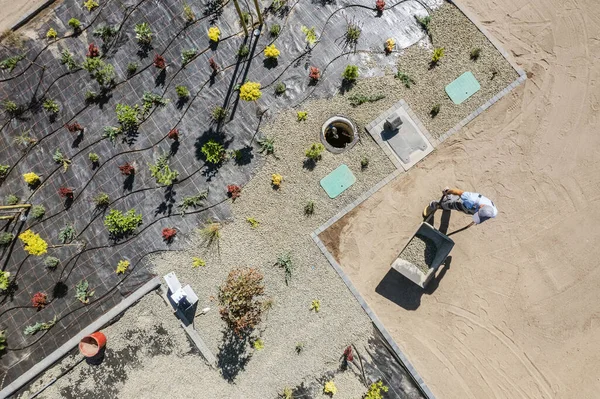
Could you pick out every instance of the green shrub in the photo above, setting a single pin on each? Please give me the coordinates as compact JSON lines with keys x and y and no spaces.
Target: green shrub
{"x":314,"y":152}
{"x":285,"y":262}
{"x":435,"y":110}
{"x":51,"y":262}
{"x":243,"y":51}
{"x":475,"y":53}
{"x":213,"y":152}
{"x":350,"y":74}
{"x":192,"y":202}
{"x":353,"y":32}
{"x":404,"y":78}
{"x":121,"y":224}
{"x":143,"y":33}
{"x":438,"y":54}
{"x":127,"y":116}
{"x":245,"y":17}
{"x":239,"y":297}
{"x":111,"y":133}
{"x":131,"y":68}
{"x":90,"y":4}
{"x":274,"y":30}
{"x":66,"y":58}
{"x":149,"y":100}
{"x":188,"y":14}
{"x":59,"y":158}
{"x":280,"y":88}
{"x":94,"y":158}
{"x":4,"y":283}
{"x":66,"y":234}
{"x":12,"y":199}
{"x":4,"y":171}
{"x":267,"y":145}
{"x":309,"y":208}
{"x":102,"y":72}
{"x":219,"y":114}
{"x":359,"y":99}
{"x":310,"y":35}
{"x":364,"y":162}
{"x":50,"y":106}
{"x":211,"y":232}
{"x":75,"y":24}
{"x":82,"y":291}
{"x":162,"y":172}
{"x":182,"y":92}
{"x":32,"y":330}
{"x":6,"y":238}
{"x":188,"y":55}
{"x":11,"y":62}
{"x":38,"y":211}
{"x":11,"y":107}
{"x":101,"y":200}
{"x":424,"y":22}
{"x":105,"y":33}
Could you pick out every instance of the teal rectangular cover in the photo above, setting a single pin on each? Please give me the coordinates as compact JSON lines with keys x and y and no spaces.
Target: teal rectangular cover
{"x":462,"y":88}
{"x":338,"y":181}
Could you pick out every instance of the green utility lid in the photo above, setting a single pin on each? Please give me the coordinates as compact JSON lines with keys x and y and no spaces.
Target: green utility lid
{"x":338,"y":181}
{"x":463,"y":87}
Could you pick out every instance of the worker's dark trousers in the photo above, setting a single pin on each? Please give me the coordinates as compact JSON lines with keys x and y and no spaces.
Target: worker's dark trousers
{"x":453,"y":202}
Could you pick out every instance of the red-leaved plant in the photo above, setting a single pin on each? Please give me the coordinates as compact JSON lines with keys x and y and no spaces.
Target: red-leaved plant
{"x":160,"y":62}
{"x":234,"y":191}
{"x":39,"y":300}
{"x":168,"y":234}
{"x":74,"y":127}
{"x":380,"y":5}
{"x":348,"y":354}
{"x":65,"y":192}
{"x":127,"y":169}
{"x":173,"y":134}
{"x":314,"y":73}
{"x":213,"y":65}
{"x":93,"y":51}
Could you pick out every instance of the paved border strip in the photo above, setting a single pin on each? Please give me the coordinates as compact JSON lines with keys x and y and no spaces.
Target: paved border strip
{"x":28,"y":17}
{"x":74,"y":341}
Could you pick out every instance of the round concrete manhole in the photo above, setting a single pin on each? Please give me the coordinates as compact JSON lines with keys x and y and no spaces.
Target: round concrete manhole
{"x":338,"y":134}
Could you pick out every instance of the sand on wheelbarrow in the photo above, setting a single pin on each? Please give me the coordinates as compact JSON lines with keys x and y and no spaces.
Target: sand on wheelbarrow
{"x":420,"y":251}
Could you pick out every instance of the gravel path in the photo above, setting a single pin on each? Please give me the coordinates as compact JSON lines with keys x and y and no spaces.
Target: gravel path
{"x":420,"y":251}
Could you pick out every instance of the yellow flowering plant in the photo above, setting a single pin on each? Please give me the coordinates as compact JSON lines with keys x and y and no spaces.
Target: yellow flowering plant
{"x":31,"y":178}
{"x":302,"y":115}
{"x":330,"y":388}
{"x":272,"y":52}
{"x":33,"y":243}
{"x":122,"y":266}
{"x":389,"y":45}
{"x":250,"y":91}
{"x":51,"y":34}
{"x":198,"y":262}
{"x":90,"y":4}
{"x":276,"y":179}
{"x":214,"y":33}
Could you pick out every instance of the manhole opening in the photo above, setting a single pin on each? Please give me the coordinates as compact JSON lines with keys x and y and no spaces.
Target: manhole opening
{"x":338,"y":134}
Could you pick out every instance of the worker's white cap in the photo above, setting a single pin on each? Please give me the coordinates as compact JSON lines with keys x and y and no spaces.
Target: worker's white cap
{"x":484,"y":213}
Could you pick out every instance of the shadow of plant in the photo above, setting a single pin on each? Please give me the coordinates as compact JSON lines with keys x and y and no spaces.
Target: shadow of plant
{"x":233,"y":354}
{"x":245,"y":156}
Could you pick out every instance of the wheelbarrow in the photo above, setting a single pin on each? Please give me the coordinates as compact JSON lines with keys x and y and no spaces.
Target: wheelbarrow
{"x":439,"y":247}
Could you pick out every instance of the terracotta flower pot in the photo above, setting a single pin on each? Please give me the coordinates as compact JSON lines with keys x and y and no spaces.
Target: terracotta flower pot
{"x":90,"y":345}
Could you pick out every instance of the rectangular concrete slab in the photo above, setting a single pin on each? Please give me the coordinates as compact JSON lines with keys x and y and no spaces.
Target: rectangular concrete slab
{"x":338,"y":181}
{"x":463,"y":87}
{"x":408,"y":144}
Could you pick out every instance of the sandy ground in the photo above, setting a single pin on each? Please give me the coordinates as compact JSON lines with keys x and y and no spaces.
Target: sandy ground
{"x":516,"y":314}
{"x":14,"y":10}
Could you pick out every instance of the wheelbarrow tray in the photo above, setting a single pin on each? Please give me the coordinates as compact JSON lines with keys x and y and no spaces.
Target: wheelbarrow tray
{"x":444,"y":245}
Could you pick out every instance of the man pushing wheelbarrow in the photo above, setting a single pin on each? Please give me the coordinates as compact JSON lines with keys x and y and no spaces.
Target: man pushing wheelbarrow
{"x":475,"y":204}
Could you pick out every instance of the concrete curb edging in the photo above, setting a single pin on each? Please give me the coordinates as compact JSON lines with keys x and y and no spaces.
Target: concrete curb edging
{"x":74,"y":341}
{"x":28,"y":17}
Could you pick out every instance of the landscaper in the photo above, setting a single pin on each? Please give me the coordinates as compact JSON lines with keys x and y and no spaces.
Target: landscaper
{"x":482,"y":208}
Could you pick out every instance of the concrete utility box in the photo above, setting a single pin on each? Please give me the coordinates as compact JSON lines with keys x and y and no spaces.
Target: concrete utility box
{"x":393,"y":122}
{"x":443,"y":245}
